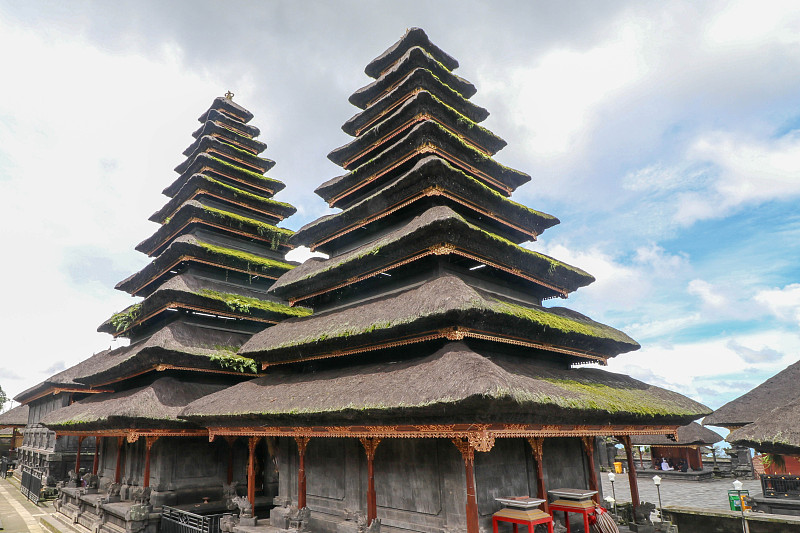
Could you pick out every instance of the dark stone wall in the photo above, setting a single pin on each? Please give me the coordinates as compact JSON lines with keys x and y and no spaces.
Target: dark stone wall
{"x":421,"y":483}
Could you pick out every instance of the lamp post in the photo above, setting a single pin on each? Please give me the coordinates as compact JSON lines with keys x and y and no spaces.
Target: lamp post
{"x":657,"y":481}
{"x":611,"y":478}
{"x":737,"y":486}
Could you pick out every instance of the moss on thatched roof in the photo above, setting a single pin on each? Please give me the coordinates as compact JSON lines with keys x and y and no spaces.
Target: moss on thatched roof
{"x":414,"y":57}
{"x":178,"y":343}
{"x":227,"y":132}
{"x":188,"y":248}
{"x":436,"y":226}
{"x":688,"y":435}
{"x":421,"y":104}
{"x":465,"y":195}
{"x":194,"y":212}
{"x":436,"y":305}
{"x":781,"y":389}
{"x":418,"y":79}
{"x":412,"y":37}
{"x":227,"y":152}
{"x":366,"y":178}
{"x":455,"y":384}
{"x":153,"y":406}
{"x":224,"y":171}
{"x":185,"y":291}
{"x":16,"y":417}
{"x":776,"y":431}
{"x":207,"y":186}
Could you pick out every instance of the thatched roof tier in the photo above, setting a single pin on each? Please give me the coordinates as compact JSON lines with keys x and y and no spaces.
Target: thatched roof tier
{"x":414,"y":57}
{"x":776,"y":431}
{"x":229,"y":153}
{"x":412,"y":37}
{"x":423,"y":139}
{"x":178,"y":345}
{"x":227,"y":134}
{"x":203,"y":186}
{"x":779,"y":390}
{"x":193,"y":213}
{"x":453,"y":385}
{"x":189,"y":293}
{"x":417,"y":80}
{"x":437,"y":231}
{"x":15,"y":418}
{"x":230,"y":173}
{"x":188,"y":249}
{"x":431,"y":177}
{"x":421,"y":106}
{"x":61,"y":381}
{"x":692,"y":434}
{"x":445,"y":307}
{"x":229,"y":108}
{"x":153,"y":406}
{"x":221,"y":119}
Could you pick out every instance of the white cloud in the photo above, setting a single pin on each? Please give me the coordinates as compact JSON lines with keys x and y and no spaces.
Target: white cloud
{"x":710,"y":296}
{"x":782,"y":303}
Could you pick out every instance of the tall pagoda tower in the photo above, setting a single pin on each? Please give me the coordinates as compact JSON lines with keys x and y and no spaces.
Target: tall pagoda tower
{"x":429,"y":340}
{"x":217,"y":251}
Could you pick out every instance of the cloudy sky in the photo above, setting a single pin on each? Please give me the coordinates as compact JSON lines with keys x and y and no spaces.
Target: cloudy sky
{"x":664,"y":135}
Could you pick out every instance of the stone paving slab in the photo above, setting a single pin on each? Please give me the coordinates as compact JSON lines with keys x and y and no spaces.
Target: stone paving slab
{"x":18,"y":514}
{"x":699,"y":494}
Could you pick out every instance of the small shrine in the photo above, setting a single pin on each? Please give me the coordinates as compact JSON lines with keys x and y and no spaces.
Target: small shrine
{"x":679,"y":455}
{"x":431,"y":378}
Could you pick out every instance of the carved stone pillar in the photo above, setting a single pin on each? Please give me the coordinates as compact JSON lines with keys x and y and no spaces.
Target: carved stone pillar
{"x":302,"y":442}
{"x":370,"y":446}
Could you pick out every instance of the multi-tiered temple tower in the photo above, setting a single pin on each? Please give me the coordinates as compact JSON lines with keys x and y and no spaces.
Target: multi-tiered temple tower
{"x":429,"y":330}
{"x":215,"y":254}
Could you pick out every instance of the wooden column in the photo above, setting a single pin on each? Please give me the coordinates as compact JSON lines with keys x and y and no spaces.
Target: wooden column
{"x":95,"y":461}
{"x":302,"y":442}
{"x":251,"y":471}
{"x":537,"y":445}
{"x":588,"y":447}
{"x":230,"y":440}
{"x":13,"y":439}
{"x":120,"y":465}
{"x":148,"y":442}
{"x":626,"y":441}
{"x":78,"y":455}
{"x":468,"y":454}
{"x":370,"y":446}
{"x":641,"y":460}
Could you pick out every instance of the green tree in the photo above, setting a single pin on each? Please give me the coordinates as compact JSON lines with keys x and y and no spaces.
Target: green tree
{"x":3,"y":398}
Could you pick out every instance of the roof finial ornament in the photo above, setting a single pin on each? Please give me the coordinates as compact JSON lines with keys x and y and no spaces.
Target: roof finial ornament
{"x":229,"y":95}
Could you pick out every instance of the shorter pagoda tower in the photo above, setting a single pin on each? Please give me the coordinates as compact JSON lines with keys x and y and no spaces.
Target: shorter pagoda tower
{"x":216,"y":253}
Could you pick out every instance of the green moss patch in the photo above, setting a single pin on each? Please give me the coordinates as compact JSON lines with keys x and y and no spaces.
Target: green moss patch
{"x":245,"y":194}
{"x":254,"y":262}
{"x":237,"y":168}
{"x":280,"y":236}
{"x":125,"y":319}
{"x":245,"y":304}
{"x":234,"y":362}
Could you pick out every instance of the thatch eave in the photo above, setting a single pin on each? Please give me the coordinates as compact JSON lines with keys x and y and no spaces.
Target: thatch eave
{"x":15,"y":418}
{"x":412,"y":37}
{"x":228,"y":172}
{"x":226,"y":132}
{"x":228,"y":107}
{"x":208,"y":144}
{"x":225,"y":121}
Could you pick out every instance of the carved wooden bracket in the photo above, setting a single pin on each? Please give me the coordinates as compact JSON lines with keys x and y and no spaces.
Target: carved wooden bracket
{"x":467,"y":451}
{"x":302,"y":443}
{"x":149,"y":441}
{"x":370,"y":446}
{"x":537,"y":445}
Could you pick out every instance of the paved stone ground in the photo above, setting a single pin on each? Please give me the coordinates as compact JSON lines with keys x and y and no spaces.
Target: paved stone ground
{"x":16,"y":512}
{"x":699,"y":494}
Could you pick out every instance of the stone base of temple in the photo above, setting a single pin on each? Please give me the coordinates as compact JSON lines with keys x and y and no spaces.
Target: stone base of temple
{"x":782,"y":506}
{"x":691,"y":475}
{"x":89,"y":512}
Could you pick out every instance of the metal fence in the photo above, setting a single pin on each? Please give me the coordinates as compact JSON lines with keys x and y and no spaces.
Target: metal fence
{"x":780,"y":486}
{"x":178,"y":521}
{"x":31,"y":486}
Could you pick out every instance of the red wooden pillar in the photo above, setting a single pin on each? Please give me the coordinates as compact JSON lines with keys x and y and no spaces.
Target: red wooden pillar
{"x":251,"y":471}
{"x":78,"y":455}
{"x":96,"y":455}
{"x":641,"y":460}
{"x":370,"y":446}
{"x":120,"y":465}
{"x":588,"y":447}
{"x":537,"y":445}
{"x":626,"y":441}
{"x":230,"y":440}
{"x":302,"y":442}
{"x":468,"y":454}
{"x":148,"y":442}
